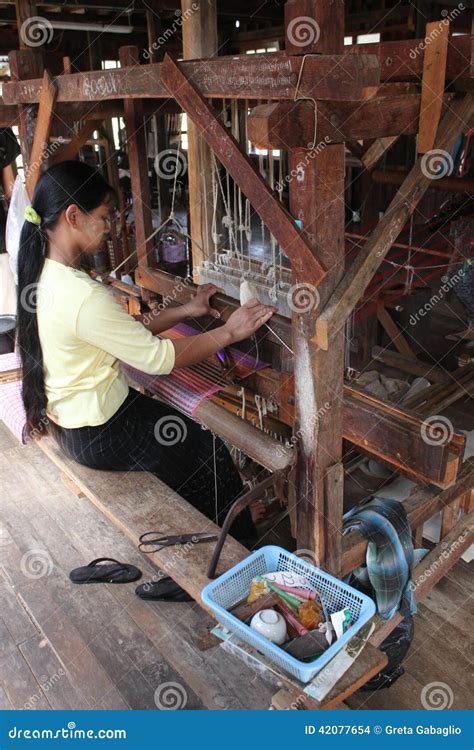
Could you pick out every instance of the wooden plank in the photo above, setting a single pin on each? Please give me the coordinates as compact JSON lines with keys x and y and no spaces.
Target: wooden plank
{"x":409,"y":365}
{"x":450,"y":516}
{"x":432,"y":83}
{"x":367,"y":665}
{"x":356,"y":280}
{"x":395,"y":437}
{"x":52,"y":675}
{"x":21,"y":688}
{"x":450,"y":184}
{"x":25,"y":64}
{"x":343,"y":77}
{"x":399,"y":63}
{"x":179,"y":291}
{"x":42,"y":132}
{"x":134,"y":500}
{"x":138,"y":160}
{"x":284,"y":125}
{"x":333,"y":498}
{"x":315,"y":198}
{"x":396,"y":336}
{"x":173,"y":630}
{"x":377,"y":149}
{"x":70,"y":150}
{"x":261,"y":77}
{"x":238,"y":164}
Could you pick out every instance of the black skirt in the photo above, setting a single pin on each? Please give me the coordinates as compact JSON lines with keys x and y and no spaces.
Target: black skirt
{"x":148,"y":435}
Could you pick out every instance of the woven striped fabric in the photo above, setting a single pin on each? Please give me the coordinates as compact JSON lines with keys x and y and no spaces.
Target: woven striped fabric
{"x":188,"y":387}
{"x":185,"y":388}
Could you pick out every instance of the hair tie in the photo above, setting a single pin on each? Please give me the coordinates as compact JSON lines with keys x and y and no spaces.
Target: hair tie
{"x":32,"y":216}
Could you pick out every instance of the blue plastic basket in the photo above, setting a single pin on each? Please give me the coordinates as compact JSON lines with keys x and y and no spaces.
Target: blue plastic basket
{"x":233,"y":586}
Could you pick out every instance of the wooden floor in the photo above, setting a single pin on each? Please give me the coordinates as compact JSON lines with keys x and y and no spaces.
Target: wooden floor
{"x":100,"y":646}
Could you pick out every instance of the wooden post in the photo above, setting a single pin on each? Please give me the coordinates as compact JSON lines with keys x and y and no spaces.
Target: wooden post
{"x":154,"y":28}
{"x":26,"y":64}
{"x":317,"y":200}
{"x":199,"y":40}
{"x":137,"y":154}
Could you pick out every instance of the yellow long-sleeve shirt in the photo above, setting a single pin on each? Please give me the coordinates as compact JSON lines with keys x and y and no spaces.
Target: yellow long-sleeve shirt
{"x":84,"y":333}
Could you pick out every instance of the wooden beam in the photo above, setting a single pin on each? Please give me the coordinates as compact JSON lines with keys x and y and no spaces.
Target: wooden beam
{"x":410,"y":365}
{"x":266,"y":76}
{"x":432,"y":83}
{"x":394,"y":435}
{"x":356,"y":280}
{"x":317,"y":199}
{"x":138,"y":160}
{"x":24,"y":11}
{"x":450,"y":184}
{"x":291,"y":124}
{"x":178,"y":291}
{"x":26,"y":64}
{"x":42,"y":132}
{"x":395,"y":334}
{"x":70,"y":150}
{"x":199,"y":41}
{"x":342,"y":77}
{"x":264,"y":201}
{"x":377,"y":149}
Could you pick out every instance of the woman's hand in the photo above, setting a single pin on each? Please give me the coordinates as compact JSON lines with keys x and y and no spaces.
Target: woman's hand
{"x":200,"y":303}
{"x":248,"y":319}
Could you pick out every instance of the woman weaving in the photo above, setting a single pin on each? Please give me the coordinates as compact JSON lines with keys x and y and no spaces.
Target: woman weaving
{"x":74,"y":337}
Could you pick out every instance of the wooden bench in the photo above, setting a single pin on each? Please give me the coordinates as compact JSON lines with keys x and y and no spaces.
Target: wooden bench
{"x":137,"y":501}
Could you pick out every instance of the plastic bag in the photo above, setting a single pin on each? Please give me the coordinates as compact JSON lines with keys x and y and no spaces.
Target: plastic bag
{"x":15,"y":219}
{"x":395,"y":646}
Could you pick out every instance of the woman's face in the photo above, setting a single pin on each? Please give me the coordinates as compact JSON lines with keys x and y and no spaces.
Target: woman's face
{"x":94,"y":227}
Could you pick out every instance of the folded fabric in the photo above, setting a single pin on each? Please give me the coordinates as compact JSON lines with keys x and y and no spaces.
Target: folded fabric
{"x":390,"y":554}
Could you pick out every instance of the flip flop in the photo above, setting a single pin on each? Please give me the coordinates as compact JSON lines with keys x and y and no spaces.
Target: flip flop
{"x":118,"y":572}
{"x":165,"y":590}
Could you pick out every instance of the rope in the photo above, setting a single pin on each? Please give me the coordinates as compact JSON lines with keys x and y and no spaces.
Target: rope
{"x":307,"y":98}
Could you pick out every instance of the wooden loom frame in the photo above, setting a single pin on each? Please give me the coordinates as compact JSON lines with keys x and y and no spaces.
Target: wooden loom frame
{"x":318,"y":334}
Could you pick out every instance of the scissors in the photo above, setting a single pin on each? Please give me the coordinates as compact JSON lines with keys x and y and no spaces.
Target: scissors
{"x":170,"y":541}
